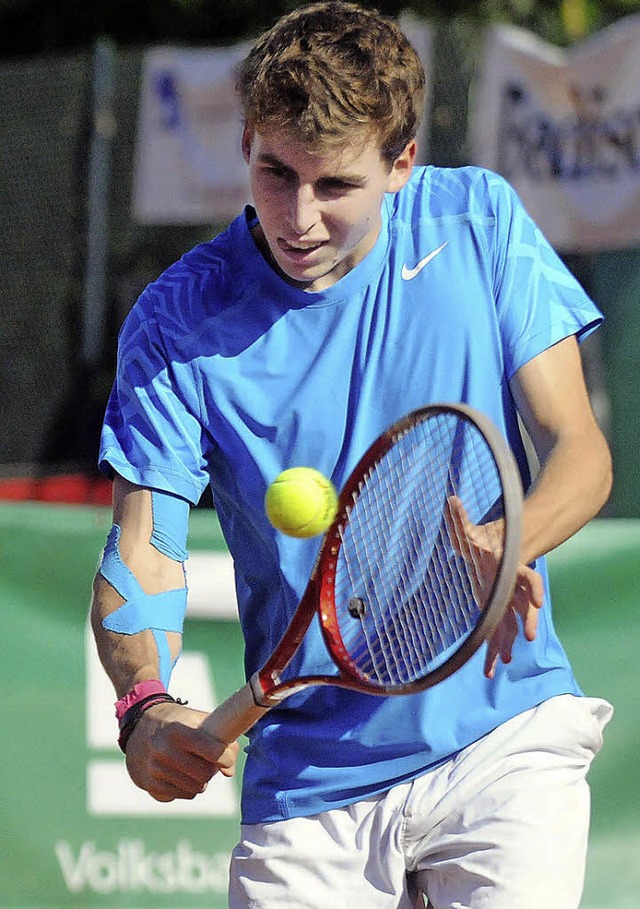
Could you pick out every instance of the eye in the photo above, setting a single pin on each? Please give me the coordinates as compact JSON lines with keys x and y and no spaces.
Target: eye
{"x":335,"y":186}
{"x":275,"y":172}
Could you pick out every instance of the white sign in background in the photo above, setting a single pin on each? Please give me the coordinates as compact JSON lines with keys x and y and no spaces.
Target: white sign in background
{"x":563,"y":126}
{"x":188,"y":166}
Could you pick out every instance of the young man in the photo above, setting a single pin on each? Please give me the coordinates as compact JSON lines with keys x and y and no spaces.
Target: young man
{"x":356,"y":289}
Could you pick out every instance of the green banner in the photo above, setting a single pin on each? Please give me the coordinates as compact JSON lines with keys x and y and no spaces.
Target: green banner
{"x":74,"y":832}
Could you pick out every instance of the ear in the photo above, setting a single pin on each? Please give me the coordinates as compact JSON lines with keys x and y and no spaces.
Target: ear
{"x":247,"y":139}
{"x":402,"y":167}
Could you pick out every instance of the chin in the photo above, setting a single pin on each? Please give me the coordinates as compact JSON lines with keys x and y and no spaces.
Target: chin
{"x":302,"y":277}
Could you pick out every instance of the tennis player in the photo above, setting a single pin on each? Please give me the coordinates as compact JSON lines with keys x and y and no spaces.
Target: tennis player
{"x":355,"y":288}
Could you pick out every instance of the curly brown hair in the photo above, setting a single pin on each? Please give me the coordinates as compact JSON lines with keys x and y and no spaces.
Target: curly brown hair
{"x":328,"y":69}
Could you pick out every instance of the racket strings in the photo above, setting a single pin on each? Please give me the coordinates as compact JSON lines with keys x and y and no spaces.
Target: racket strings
{"x":410,"y":587}
{"x":374,"y":629}
{"x":383,"y":557}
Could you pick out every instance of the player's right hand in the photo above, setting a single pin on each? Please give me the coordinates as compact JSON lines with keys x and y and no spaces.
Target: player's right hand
{"x":171,"y":757}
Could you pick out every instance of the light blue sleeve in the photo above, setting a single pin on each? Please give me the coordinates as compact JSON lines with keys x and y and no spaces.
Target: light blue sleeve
{"x":152,"y":433}
{"x":539,"y":302}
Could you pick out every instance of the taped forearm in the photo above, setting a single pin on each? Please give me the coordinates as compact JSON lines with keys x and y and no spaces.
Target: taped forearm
{"x":160,"y":613}
{"x":127,"y":659}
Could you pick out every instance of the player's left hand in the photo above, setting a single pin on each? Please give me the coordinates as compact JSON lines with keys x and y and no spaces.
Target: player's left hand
{"x":480,"y":544}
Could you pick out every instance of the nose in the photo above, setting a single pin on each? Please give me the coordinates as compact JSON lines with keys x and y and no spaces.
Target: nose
{"x":303,"y":209}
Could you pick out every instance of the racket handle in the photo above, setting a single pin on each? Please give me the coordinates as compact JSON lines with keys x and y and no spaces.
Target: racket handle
{"x":234,"y":717}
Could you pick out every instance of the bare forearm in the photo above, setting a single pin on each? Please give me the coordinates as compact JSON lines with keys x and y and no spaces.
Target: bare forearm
{"x":571,"y":488}
{"x":575,"y":475}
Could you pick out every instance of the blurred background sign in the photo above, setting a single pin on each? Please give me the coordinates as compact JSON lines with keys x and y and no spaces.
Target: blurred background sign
{"x":188,"y":165}
{"x":563,"y":126}
{"x":74,"y":830}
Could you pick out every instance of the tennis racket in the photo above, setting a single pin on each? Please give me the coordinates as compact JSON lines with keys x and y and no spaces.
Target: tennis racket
{"x":415,"y":572}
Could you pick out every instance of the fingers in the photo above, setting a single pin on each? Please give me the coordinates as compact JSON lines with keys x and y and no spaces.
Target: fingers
{"x":527,"y":600}
{"x":457,"y":523}
{"x":525,"y":604}
{"x":167,"y":790}
{"x":164,"y":772}
{"x":470,"y":539}
{"x":170,"y":757}
{"x":227,"y":761}
{"x":209,"y":749}
{"x":500,"y":645}
{"x":482,"y":545}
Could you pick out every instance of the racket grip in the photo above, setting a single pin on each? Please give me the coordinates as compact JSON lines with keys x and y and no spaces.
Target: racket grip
{"x":234,"y":717}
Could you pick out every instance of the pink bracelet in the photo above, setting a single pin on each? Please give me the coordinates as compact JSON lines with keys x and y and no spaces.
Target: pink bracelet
{"x":138,"y":693}
{"x":133,"y":715}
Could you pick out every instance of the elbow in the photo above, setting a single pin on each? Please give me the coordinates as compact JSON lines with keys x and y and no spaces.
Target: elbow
{"x":605,"y":476}
{"x":609,"y":480}
{"x":94,"y":607}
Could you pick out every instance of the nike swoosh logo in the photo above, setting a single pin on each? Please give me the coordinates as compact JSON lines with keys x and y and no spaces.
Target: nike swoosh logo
{"x":409,"y":273}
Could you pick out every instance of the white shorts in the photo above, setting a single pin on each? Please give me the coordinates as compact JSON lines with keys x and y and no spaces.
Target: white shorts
{"x":503,"y":825}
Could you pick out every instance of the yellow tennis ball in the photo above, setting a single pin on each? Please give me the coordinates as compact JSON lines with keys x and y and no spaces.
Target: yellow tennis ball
{"x":301,"y":502}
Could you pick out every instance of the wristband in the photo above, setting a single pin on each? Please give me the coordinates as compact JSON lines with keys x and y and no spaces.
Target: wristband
{"x":131,"y":718}
{"x":137,"y":693}
{"x":130,"y":708}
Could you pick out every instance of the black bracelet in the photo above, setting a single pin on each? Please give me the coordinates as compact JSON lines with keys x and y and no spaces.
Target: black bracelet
{"x":131,"y":718}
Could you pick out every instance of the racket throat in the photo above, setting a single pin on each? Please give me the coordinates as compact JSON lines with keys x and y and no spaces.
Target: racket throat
{"x":257,"y":691}
{"x":277,"y":691}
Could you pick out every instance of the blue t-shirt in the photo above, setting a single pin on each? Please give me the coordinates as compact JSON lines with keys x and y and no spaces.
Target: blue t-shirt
{"x":228,"y":375}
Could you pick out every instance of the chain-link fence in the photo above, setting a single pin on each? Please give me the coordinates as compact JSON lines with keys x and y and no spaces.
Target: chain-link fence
{"x":42,"y":136}
{"x":51,"y":403}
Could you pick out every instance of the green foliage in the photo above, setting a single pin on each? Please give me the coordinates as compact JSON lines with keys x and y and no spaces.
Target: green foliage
{"x":42,"y":26}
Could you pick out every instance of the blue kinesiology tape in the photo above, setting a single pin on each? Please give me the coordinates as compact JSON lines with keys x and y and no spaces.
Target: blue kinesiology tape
{"x":170,"y":524}
{"x":160,"y":612}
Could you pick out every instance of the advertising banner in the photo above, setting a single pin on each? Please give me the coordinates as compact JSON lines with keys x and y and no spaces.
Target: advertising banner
{"x":76,"y":834}
{"x":188,"y":165}
{"x":563,"y":126}
{"x":74,"y":830}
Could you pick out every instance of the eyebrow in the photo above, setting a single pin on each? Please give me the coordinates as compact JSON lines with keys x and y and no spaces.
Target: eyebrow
{"x":352,"y":178}
{"x":267,"y":158}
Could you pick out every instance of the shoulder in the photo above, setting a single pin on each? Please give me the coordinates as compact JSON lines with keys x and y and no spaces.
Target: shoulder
{"x":191,"y":298}
{"x":181,"y":298}
{"x":439,"y":192}
{"x":200,"y":280}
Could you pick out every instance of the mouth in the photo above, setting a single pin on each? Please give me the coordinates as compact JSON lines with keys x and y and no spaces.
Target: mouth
{"x":299,"y":252}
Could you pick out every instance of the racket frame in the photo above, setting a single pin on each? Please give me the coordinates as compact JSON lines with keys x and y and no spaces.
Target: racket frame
{"x":267,"y":686}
